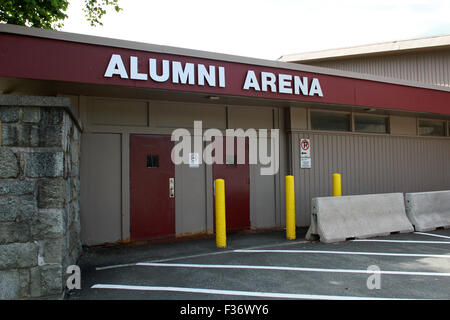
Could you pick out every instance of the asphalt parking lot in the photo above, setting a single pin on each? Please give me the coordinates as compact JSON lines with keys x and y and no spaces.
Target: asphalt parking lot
{"x":267,"y":266}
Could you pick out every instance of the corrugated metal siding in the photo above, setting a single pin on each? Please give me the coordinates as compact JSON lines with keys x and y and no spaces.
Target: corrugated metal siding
{"x":368,"y":164}
{"x":426,"y":67}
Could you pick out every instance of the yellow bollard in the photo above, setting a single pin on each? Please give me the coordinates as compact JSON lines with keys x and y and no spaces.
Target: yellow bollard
{"x":290,"y":207}
{"x":221,"y":229}
{"x":337,"y":185}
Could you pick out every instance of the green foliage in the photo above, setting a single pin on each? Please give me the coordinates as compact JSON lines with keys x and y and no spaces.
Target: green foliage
{"x":50,"y":14}
{"x":95,"y":9}
{"x":34,"y":13}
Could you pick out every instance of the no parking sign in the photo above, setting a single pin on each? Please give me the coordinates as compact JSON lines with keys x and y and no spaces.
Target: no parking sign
{"x":305,"y":154}
{"x":305,"y":148}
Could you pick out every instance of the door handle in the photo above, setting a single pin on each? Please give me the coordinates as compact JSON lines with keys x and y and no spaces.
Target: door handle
{"x":171,"y":187}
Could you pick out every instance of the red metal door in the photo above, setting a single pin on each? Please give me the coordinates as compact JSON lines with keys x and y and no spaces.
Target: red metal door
{"x":237,"y":188}
{"x":152,"y":207}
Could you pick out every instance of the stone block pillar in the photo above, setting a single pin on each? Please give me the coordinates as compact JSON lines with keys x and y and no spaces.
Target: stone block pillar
{"x":39,"y":195}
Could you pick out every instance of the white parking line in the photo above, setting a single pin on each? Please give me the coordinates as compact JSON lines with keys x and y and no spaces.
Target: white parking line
{"x":300,"y":251}
{"x":200,"y":255}
{"x":237,"y":292}
{"x":283,"y":268}
{"x":432,"y":235}
{"x":115,"y":266}
{"x":401,"y":241}
{"x":347,"y":253}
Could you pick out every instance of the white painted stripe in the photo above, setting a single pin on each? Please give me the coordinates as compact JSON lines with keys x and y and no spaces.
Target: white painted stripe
{"x":282,"y":268}
{"x":389,"y":254}
{"x":201,"y":255}
{"x":227,"y":251}
{"x":401,"y":241}
{"x":237,"y":292}
{"x":433,"y":235}
{"x":115,"y":266}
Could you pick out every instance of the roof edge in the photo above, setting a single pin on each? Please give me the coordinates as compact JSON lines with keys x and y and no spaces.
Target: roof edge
{"x":371,"y":49}
{"x":141,"y":46}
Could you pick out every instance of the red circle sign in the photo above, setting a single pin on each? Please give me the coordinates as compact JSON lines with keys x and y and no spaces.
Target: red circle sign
{"x":304,"y":144}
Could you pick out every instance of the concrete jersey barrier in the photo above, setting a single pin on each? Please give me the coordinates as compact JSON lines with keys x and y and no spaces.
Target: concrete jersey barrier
{"x":362,"y":216}
{"x":428,"y":210}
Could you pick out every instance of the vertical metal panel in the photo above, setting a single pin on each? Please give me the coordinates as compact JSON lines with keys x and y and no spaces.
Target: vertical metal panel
{"x":428,"y":67}
{"x":368,"y":164}
{"x":262,"y":195}
{"x":100,"y":197}
{"x":190,"y":197}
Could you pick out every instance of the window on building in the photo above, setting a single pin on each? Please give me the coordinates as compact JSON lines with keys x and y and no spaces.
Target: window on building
{"x":371,"y":124}
{"x":432,"y":128}
{"x":152,"y":161}
{"x":330,"y":121}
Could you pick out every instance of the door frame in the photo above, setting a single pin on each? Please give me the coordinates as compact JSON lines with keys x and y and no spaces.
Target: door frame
{"x":172,"y":174}
{"x":249,"y":225}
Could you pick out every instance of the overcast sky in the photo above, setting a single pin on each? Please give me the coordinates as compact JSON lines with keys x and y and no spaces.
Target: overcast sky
{"x":267,"y":29}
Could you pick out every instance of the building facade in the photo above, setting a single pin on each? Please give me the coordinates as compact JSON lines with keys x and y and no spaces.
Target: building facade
{"x":382,"y":135}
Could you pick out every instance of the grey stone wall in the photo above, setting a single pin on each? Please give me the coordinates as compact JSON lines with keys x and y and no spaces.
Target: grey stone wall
{"x":39,"y":196}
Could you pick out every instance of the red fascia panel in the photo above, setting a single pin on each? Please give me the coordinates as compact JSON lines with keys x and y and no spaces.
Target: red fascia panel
{"x":49,"y":59}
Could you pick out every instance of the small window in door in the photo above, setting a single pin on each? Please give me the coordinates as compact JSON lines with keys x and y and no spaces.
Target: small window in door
{"x":152,"y":161}
{"x":231,"y":160}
